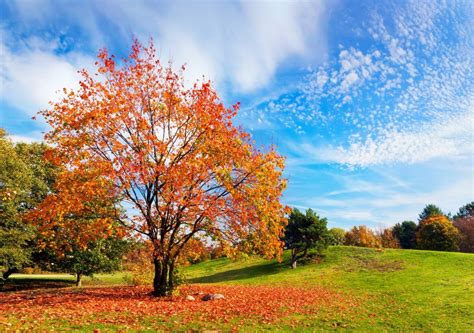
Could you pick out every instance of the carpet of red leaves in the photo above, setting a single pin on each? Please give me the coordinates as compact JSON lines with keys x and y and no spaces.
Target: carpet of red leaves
{"x":128,"y":306}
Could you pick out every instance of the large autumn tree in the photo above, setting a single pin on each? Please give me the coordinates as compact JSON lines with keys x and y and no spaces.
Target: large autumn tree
{"x":172,"y":152}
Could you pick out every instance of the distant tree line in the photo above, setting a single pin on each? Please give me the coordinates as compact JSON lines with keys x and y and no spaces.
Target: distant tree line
{"x":435,"y":230}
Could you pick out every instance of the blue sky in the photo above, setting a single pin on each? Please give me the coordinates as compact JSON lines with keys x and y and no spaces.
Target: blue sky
{"x":372,"y":102}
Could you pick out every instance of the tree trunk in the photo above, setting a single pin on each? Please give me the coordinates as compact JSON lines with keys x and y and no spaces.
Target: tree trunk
{"x":9,"y":272}
{"x":293,"y":264}
{"x":163,"y":279}
{"x":293,"y":259}
{"x":78,"y":280}
{"x":171,"y":277}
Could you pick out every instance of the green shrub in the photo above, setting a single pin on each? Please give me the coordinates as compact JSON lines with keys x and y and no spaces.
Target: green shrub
{"x":338,"y":236}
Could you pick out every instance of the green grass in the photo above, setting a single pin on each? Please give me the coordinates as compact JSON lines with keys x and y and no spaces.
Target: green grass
{"x":58,"y":280}
{"x":408,"y":289}
{"x":401,"y":289}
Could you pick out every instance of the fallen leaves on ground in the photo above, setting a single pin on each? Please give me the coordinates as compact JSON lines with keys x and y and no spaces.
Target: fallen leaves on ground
{"x":131,"y":306}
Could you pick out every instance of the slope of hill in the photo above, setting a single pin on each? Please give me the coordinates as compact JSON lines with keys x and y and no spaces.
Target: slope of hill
{"x":404,"y":289}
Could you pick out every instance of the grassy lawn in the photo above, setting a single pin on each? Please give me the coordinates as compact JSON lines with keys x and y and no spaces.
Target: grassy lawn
{"x":408,"y":289}
{"x":358,"y":288}
{"x":58,"y":280}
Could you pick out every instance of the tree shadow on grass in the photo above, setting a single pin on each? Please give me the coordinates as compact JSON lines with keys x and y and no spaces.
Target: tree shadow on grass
{"x":242,"y":273}
{"x":33,"y":284}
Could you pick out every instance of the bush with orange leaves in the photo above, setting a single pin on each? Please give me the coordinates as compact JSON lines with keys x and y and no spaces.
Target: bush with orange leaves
{"x":437,"y":233}
{"x":193,"y":252}
{"x":139,"y":263}
{"x":464,"y":222}
{"x":388,"y":239}
{"x":465,"y":225}
{"x":362,"y":236}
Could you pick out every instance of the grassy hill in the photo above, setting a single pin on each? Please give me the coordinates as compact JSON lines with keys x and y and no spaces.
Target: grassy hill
{"x":406,"y":289}
{"x":385,"y":290}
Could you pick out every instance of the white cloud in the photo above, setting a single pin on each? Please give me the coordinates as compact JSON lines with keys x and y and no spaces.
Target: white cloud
{"x":32,"y":75}
{"x":242,"y":43}
{"x":349,"y":80}
{"x":26,"y":139}
{"x":450,"y":138}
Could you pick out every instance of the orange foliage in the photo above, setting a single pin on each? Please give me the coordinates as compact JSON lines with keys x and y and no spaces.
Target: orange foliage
{"x":362,"y":236}
{"x":174,"y":154}
{"x":465,"y":225}
{"x":79,"y":212}
{"x":193,"y":252}
{"x":138,"y":264}
{"x":133,"y":308}
{"x":388,"y":240}
{"x":216,"y":252}
{"x":437,"y":233}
